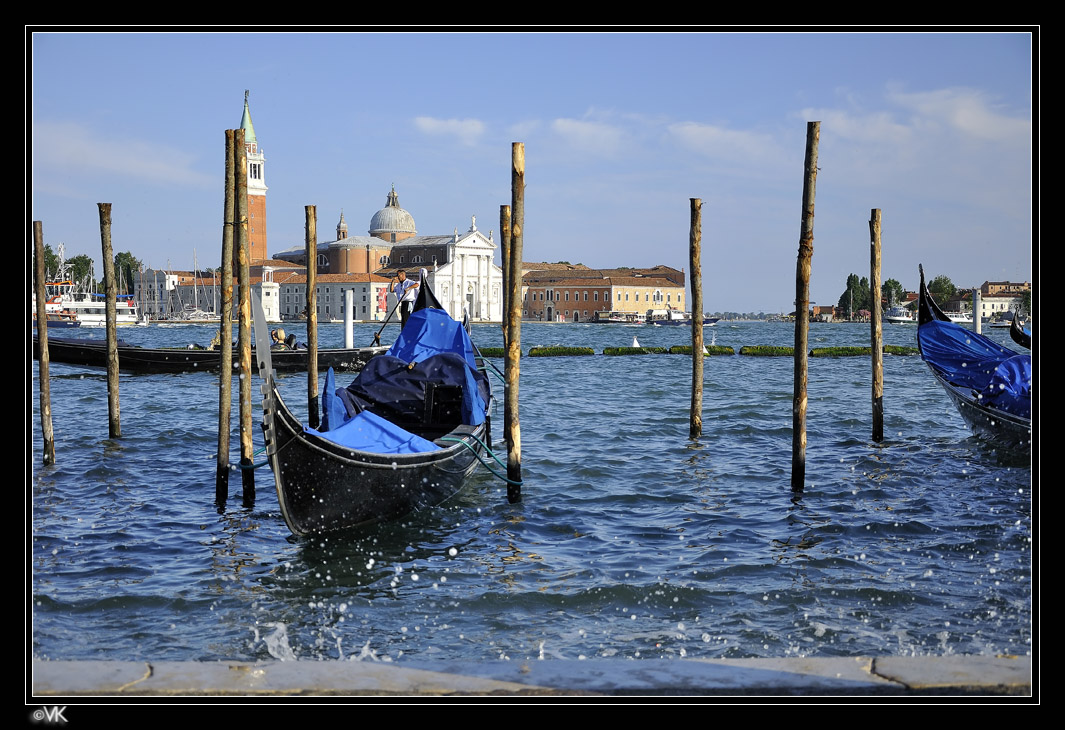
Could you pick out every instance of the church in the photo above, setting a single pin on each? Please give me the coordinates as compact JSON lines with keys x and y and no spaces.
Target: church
{"x":461,"y":267}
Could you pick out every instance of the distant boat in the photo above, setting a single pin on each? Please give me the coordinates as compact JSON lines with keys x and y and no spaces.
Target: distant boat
{"x":676,"y":318}
{"x":900,"y":315}
{"x":90,"y":307}
{"x":619,"y":318}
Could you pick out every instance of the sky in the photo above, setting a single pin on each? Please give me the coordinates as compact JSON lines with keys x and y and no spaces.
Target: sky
{"x":621,"y":130}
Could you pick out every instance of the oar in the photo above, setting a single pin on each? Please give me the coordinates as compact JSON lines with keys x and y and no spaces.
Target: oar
{"x":377,"y":337}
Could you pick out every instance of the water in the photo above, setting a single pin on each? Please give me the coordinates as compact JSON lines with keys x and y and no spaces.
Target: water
{"x":632,"y":541}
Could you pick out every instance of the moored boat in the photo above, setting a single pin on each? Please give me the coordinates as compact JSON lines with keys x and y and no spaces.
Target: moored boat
{"x":989,"y":384}
{"x":405,"y":435}
{"x":156,"y":360}
{"x":64,"y":320}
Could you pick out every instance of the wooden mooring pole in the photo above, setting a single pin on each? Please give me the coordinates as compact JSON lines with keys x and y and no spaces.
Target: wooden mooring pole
{"x":513,"y":339}
{"x":225,"y":327}
{"x":240,"y":195}
{"x":114,"y":422}
{"x":877,"y":333}
{"x":39,"y":278}
{"x":696,"y":276}
{"x":802,"y":309}
{"x":311,"y":237}
{"x":504,"y":237}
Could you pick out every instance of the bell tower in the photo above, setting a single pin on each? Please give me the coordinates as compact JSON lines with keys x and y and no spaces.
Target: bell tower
{"x":256,"y":189}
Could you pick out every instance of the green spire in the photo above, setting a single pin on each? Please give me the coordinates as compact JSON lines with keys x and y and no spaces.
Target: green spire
{"x":245,"y":122}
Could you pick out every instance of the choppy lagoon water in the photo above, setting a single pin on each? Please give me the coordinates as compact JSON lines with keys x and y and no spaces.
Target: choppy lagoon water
{"x":632,"y":540}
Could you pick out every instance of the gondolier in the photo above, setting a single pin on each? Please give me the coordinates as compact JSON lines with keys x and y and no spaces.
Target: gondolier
{"x":405,"y":290}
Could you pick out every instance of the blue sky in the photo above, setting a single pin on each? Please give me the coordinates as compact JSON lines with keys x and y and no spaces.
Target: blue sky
{"x":620,"y":129}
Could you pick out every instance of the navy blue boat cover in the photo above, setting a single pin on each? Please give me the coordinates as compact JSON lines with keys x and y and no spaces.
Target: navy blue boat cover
{"x":390,"y":390}
{"x":1001,"y":377}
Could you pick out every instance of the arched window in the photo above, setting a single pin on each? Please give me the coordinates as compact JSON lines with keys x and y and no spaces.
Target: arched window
{"x":384,"y":261}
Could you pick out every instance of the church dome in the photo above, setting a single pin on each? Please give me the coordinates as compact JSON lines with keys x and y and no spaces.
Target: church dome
{"x":392,"y":219}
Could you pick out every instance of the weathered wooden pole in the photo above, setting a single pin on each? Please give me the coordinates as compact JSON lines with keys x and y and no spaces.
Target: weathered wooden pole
{"x":225,"y":326}
{"x":696,"y":276}
{"x":114,"y":425}
{"x":504,"y":237}
{"x":47,"y":438}
{"x":312,"y":314}
{"x":513,"y":339}
{"x":877,"y":327}
{"x":802,"y":309}
{"x":240,"y":199}
{"x":977,"y":306}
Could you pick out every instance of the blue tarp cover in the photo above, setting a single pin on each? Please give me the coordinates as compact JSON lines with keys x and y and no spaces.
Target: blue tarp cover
{"x":367,"y":432}
{"x":430,"y":332}
{"x":1001,"y":377}
{"x":441,"y":352}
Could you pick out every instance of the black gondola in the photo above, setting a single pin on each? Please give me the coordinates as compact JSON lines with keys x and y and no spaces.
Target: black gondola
{"x":155,"y":360}
{"x":989,"y":384}
{"x":1019,"y":334}
{"x":403,"y":436}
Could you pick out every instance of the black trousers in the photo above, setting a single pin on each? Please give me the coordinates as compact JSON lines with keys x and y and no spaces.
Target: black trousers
{"x":404,"y":312}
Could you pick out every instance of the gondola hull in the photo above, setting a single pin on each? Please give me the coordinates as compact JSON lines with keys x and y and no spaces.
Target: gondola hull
{"x":990,"y":385}
{"x":148,"y":360}
{"x":324,"y":487}
{"x":416,"y":427}
{"x":991,"y":424}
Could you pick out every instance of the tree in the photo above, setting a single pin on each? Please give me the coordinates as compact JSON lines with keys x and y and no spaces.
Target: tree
{"x":80,"y":270}
{"x":855,"y":296}
{"x":942,"y":289}
{"x":892,"y":291}
{"x":1026,"y":303}
{"x":126,"y":267}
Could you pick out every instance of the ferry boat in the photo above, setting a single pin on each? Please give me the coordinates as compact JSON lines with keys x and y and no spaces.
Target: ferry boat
{"x":620,"y":318}
{"x":900,"y":315}
{"x":89,"y":308}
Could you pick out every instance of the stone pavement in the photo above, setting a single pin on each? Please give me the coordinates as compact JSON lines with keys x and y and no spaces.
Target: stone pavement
{"x":955,"y":676}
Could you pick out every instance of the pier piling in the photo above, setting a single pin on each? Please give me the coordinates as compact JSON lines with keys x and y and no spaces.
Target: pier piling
{"x":47,"y":436}
{"x":694,"y":252}
{"x":513,"y":339}
{"x":114,"y":421}
{"x":311,"y":234}
{"x":802,"y":308}
{"x":225,"y":327}
{"x":240,"y":195}
{"x":877,"y":333}
{"x":504,"y":238}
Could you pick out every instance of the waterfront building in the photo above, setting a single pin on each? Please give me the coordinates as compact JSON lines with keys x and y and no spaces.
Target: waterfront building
{"x":461,"y":268}
{"x":576,"y":293}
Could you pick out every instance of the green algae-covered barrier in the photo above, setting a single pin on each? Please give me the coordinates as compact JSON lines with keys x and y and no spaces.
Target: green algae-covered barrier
{"x":634,"y":351}
{"x":855,"y":351}
{"x":493,"y":352}
{"x":710,"y":350}
{"x":767,"y":351}
{"x":559,"y":351}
